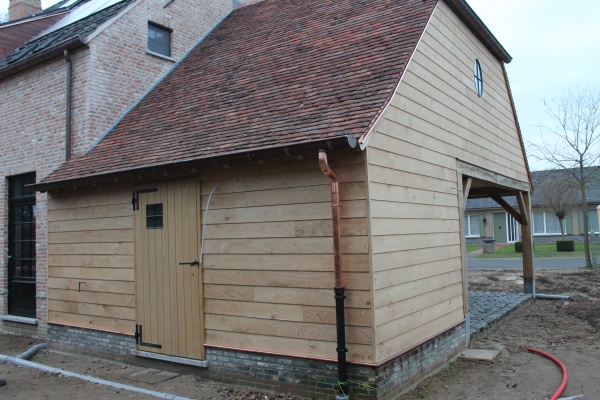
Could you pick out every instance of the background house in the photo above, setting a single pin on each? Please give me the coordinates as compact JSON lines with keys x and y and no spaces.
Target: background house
{"x":199,"y":229}
{"x":66,"y":75}
{"x":485,"y":218}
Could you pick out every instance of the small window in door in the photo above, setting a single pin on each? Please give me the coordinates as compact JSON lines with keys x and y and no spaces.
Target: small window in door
{"x":154,"y":216}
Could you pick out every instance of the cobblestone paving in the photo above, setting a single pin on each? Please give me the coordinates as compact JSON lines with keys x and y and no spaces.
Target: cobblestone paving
{"x":486,"y":308}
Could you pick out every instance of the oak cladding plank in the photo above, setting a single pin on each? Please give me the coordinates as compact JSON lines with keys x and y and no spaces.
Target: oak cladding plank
{"x":400,"y":276}
{"x":381,"y":226}
{"x":103,"y":286}
{"x":350,"y":244}
{"x":326,"y":315}
{"x":292,"y":346}
{"x":289,"y":329}
{"x":282,"y":196}
{"x":418,"y":334}
{"x":283,"y":312}
{"x":297,"y":279}
{"x":100,"y":224}
{"x":397,"y":327}
{"x":395,"y":243}
{"x":93,"y":196}
{"x":114,"y":274}
{"x":92,"y":322}
{"x":403,"y":194}
{"x":289,"y":212}
{"x":123,"y":248}
{"x":113,"y":299}
{"x":91,"y":260}
{"x":394,"y":311}
{"x":105,"y":236}
{"x":285,"y":262}
{"x":100,"y":310}
{"x":267,"y":178}
{"x":285,"y":229}
{"x":274,"y":295}
{"x":93,"y":212}
{"x":406,"y":258}
{"x":404,"y":291}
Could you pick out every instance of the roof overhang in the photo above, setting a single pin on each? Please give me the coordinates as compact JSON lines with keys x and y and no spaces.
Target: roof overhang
{"x":46,"y":55}
{"x":191,"y":166}
{"x":468,"y":16}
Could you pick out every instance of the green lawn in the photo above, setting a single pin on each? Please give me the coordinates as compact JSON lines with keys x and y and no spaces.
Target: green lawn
{"x":541,"y":250}
{"x":473,"y":247}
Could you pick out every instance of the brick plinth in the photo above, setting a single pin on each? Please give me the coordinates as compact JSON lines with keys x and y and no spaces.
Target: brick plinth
{"x":318,"y":379}
{"x":89,"y":341}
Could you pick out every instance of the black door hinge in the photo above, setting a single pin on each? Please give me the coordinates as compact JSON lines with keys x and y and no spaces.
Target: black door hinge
{"x":135,"y":198}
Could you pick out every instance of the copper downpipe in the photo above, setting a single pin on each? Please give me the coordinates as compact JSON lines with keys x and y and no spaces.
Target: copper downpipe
{"x":339,"y":289}
{"x":335,"y":217}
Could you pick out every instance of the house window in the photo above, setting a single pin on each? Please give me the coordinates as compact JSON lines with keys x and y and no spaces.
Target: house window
{"x":154,"y":216}
{"x":546,"y":224}
{"x":472,"y":226}
{"x":592,"y":221}
{"x":159,"y":39}
{"x":21,"y":247}
{"x":478,"y":78}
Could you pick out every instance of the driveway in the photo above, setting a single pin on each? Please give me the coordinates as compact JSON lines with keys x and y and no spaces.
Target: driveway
{"x":517,"y":263}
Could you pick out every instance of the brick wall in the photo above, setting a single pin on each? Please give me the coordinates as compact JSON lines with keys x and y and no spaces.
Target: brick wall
{"x":88,"y":341}
{"x":109,"y":76}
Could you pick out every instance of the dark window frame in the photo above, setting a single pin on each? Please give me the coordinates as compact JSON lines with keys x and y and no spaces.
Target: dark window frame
{"x":154,"y":216}
{"x":154,"y":44}
{"x":22,"y":269}
{"x":478,"y":76}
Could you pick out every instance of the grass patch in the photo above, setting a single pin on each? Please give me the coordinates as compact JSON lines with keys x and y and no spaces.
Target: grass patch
{"x":473,"y":247}
{"x":542,"y":250}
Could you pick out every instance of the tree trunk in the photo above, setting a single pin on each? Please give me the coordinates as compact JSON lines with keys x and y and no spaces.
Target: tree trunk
{"x":562,"y":228}
{"x":586,"y":241}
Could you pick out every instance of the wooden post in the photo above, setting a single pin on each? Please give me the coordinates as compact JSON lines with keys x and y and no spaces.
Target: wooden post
{"x":462,"y":201}
{"x":524,"y":201}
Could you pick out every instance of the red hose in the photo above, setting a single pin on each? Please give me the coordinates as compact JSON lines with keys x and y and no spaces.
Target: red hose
{"x":565,"y":378}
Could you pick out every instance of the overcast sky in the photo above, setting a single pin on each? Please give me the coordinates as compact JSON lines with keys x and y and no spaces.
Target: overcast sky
{"x":555,"y":46}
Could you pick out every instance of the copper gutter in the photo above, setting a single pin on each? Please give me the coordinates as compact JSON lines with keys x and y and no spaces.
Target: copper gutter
{"x":339,"y":290}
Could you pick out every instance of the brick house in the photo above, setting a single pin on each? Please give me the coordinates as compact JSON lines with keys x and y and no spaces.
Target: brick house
{"x":206,"y":227}
{"x":66,"y":75}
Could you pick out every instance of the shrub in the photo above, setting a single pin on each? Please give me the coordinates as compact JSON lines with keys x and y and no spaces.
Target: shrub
{"x":519,"y":247}
{"x":565,"y":245}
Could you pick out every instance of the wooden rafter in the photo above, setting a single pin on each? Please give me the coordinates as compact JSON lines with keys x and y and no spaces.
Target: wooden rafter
{"x":516,"y":215}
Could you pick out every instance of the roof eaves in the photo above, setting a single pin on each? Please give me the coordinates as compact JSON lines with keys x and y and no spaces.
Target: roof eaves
{"x":43,"y":56}
{"x":333,"y":144}
{"x":468,"y":16}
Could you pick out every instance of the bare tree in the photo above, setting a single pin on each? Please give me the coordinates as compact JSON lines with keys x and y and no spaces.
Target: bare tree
{"x":559,"y":197}
{"x":572,"y":142}
{"x":3,"y":17}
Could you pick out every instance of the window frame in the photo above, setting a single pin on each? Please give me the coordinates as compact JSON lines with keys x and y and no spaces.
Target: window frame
{"x":478,"y":77}
{"x":162,"y":29}
{"x":468,"y":233}
{"x":546,"y":233}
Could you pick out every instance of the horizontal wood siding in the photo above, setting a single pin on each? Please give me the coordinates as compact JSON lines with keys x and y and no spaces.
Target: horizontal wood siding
{"x":433,"y":119}
{"x":90,"y":262}
{"x":268,"y":258}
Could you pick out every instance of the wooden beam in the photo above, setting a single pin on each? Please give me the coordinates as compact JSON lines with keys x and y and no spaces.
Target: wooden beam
{"x":486,"y":175}
{"x":507,"y":207}
{"x":523,"y":209}
{"x":466,"y":188}
{"x":462,"y":200}
{"x":527,"y":240}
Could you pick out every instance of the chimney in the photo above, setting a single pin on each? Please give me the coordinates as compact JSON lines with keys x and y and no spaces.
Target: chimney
{"x":18,"y":9}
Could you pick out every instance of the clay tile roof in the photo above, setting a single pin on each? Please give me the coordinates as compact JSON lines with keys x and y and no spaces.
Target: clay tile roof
{"x":275,"y":73}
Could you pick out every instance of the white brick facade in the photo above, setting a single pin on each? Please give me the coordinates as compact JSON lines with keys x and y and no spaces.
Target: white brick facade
{"x":109,"y":76}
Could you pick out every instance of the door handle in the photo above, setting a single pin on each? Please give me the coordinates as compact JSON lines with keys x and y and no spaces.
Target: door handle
{"x":191,"y":264}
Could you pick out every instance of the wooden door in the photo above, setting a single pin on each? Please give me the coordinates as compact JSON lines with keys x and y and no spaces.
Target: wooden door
{"x":169,"y":296}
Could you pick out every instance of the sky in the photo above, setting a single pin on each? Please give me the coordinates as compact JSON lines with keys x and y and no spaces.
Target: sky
{"x":555,"y":46}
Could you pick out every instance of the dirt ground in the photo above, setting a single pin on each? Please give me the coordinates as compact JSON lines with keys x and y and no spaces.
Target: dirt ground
{"x":568,"y":330}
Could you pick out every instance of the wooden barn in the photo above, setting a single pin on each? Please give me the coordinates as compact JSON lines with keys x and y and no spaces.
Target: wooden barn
{"x":301,"y":147}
